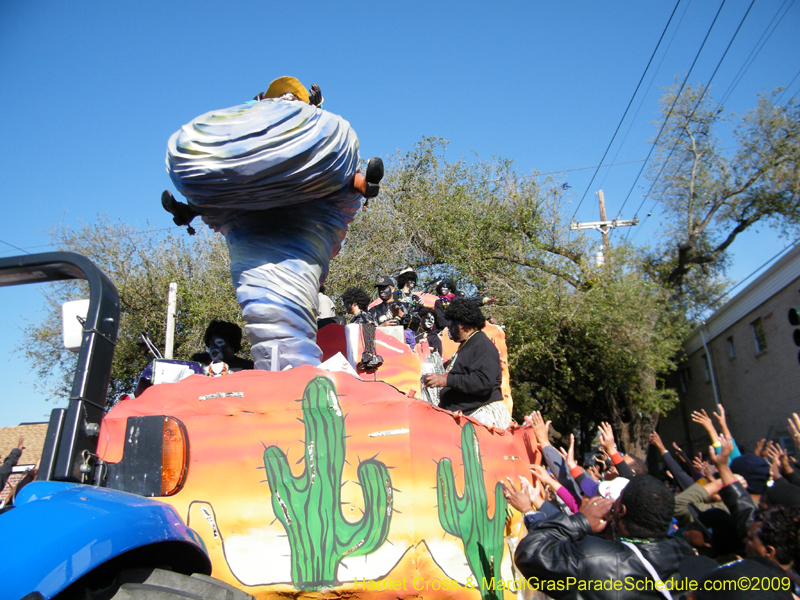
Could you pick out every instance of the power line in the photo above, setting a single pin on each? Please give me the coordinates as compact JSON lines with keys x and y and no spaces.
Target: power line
{"x":736,"y":80}
{"x":627,"y":108}
{"x":671,"y":108}
{"x":15,"y":247}
{"x":132,"y":233}
{"x":694,"y":109}
{"x":748,"y":62}
{"x":756,"y":270}
{"x":647,"y":91}
{"x":786,"y":89}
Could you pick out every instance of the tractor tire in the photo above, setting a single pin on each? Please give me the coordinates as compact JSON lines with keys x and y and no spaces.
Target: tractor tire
{"x":158,"y":584}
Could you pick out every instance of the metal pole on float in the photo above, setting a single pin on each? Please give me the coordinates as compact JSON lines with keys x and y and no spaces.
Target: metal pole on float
{"x":172,"y":302}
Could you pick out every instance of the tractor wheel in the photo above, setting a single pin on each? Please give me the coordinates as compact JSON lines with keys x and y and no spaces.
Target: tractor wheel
{"x":158,"y":584}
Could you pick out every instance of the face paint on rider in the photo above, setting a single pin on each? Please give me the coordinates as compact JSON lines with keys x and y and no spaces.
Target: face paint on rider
{"x":385,"y":292}
{"x":217,"y":348}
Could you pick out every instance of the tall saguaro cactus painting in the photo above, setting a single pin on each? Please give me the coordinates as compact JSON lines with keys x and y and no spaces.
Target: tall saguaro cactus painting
{"x":309,"y":505}
{"x":465,"y":516}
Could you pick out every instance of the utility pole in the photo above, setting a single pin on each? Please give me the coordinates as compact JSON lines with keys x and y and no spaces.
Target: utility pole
{"x":603,"y":226}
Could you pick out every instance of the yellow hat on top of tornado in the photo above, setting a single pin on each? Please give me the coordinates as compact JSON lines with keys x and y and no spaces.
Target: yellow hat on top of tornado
{"x":286,"y":85}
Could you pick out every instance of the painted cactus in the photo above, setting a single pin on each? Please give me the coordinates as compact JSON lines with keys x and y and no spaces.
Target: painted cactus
{"x":309,"y":505}
{"x":466,"y":517}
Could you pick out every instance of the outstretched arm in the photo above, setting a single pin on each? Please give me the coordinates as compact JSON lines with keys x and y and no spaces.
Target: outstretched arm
{"x":681,"y":477}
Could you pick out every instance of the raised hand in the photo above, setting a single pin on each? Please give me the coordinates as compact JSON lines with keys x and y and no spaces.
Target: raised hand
{"x":773,"y":454}
{"x":701,"y":466}
{"x":540,"y":429}
{"x":535,"y":492}
{"x":545,"y":477}
{"x":721,"y":459}
{"x":569,"y":456}
{"x":702,"y":418}
{"x":655,"y":440}
{"x":794,"y":430}
{"x":518,"y":498}
{"x":759,"y":451}
{"x":607,"y":438}
{"x":680,"y":454}
{"x":719,"y":415}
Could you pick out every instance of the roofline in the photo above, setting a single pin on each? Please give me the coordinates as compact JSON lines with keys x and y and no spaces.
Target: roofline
{"x":766,"y":285}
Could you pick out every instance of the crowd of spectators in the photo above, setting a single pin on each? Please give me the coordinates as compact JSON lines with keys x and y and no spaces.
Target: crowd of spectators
{"x":723,"y":525}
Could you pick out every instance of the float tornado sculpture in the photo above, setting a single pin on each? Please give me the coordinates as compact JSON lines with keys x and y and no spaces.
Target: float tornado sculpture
{"x":274,"y":178}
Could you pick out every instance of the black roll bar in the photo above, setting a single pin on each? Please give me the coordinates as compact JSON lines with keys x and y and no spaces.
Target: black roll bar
{"x":71,"y":441}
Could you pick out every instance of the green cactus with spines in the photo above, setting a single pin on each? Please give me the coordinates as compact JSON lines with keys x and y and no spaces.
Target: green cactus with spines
{"x":309,"y":505}
{"x":465,"y":516}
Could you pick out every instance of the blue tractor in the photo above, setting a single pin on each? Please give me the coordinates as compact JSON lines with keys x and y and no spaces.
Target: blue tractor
{"x":68,"y":534}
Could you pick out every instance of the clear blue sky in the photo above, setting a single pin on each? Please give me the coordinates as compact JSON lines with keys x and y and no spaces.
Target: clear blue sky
{"x":92,"y":91}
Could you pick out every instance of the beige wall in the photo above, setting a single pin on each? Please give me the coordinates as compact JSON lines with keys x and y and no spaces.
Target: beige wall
{"x":758,"y":390}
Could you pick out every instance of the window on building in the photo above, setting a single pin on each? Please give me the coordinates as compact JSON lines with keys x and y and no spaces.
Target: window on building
{"x":731,"y":348}
{"x":758,"y":335}
{"x":683,"y":378}
{"x":706,"y":367}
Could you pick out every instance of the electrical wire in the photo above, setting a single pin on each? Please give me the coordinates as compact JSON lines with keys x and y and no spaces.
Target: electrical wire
{"x":748,"y":62}
{"x":647,"y":91}
{"x":132,"y":233}
{"x":672,"y":107}
{"x":15,"y":247}
{"x":786,"y":89}
{"x":694,"y":109}
{"x":756,"y":270}
{"x":627,"y":108}
{"x":730,"y":89}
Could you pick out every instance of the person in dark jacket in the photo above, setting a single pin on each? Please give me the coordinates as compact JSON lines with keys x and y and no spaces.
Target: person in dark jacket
{"x":223,"y":340}
{"x":389,"y":312}
{"x":472,"y":377}
{"x":562,"y":558}
{"x":10,"y":462}
{"x":427,"y":330}
{"x":446,"y":290}
{"x":356,"y":303}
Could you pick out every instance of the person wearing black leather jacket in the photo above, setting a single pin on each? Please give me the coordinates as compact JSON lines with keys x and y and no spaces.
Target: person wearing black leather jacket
{"x":735,"y":496}
{"x":564,"y":558}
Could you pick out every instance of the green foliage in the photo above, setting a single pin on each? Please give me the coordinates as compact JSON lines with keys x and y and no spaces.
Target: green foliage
{"x":585,"y":343}
{"x":309,"y":505}
{"x":709,"y":195}
{"x":141,"y":264}
{"x":464,"y":516}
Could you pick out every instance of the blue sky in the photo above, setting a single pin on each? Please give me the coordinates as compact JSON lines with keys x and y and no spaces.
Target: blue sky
{"x":92,"y":91}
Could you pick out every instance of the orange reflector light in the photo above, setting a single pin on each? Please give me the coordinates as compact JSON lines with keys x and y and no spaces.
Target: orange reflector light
{"x":174,"y":456}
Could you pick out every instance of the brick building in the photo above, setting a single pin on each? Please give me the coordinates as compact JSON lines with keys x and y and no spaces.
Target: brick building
{"x":34,"y":434}
{"x":744,"y":357}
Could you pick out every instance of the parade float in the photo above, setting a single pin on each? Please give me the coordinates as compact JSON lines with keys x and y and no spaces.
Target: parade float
{"x":311,"y":476}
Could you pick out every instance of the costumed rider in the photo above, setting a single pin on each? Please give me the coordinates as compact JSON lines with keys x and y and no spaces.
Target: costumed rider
{"x":427,"y":330}
{"x":279,"y":178}
{"x":389,"y":312}
{"x":356,"y":304}
{"x":471,"y":383}
{"x":406,"y":282}
{"x":223,"y":340}
{"x":446,"y":290}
